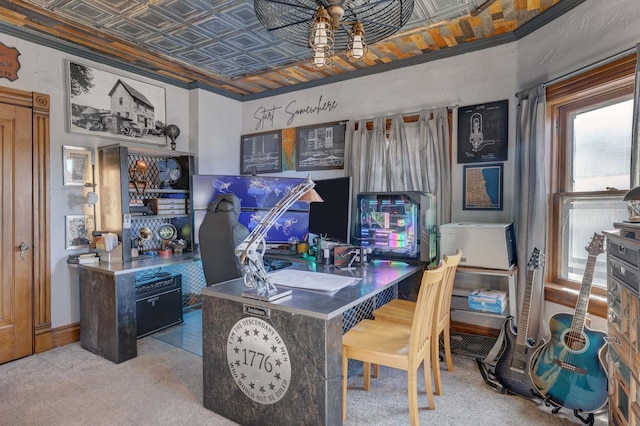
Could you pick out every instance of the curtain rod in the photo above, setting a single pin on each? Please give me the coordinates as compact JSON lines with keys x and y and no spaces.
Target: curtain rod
{"x":591,"y":66}
{"x":409,"y":115}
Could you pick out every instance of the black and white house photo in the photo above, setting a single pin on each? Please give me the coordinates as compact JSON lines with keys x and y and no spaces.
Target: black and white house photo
{"x":105,"y":104}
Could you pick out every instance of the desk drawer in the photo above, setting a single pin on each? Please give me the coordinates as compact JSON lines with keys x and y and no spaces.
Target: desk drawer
{"x":622,"y":252}
{"x":624,"y":272}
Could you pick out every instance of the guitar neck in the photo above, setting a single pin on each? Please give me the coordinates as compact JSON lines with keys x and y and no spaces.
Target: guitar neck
{"x":523,"y":322}
{"x":582,"y":304}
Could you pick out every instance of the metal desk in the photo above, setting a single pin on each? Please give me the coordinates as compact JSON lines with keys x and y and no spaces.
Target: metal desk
{"x":280,"y":362}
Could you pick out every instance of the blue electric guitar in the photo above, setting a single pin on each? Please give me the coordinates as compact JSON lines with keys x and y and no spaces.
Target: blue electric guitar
{"x":568,"y":370}
{"x":514,"y":364}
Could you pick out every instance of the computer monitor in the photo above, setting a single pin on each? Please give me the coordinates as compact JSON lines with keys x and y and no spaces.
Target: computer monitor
{"x":331,"y":219}
{"x":257,"y":194}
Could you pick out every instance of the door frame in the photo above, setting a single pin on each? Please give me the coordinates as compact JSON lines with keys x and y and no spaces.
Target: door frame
{"x":39,"y":104}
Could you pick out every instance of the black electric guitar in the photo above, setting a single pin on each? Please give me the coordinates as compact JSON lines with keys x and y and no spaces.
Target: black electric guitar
{"x":513,"y":365}
{"x":568,"y":370}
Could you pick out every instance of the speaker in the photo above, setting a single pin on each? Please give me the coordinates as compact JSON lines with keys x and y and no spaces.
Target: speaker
{"x":158,"y":303}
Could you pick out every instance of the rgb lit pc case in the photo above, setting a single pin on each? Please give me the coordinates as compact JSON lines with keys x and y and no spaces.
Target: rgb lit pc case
{"x":397,"y":225}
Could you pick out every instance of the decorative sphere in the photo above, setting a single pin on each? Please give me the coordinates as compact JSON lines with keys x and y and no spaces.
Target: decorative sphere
{"x":172,"y":131}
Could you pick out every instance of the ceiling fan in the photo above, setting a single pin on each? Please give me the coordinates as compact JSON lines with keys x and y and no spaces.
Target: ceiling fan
{"x":292,"y":20}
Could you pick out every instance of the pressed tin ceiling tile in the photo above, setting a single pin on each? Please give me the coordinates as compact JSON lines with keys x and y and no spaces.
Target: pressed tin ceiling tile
{"x":222,"y":44}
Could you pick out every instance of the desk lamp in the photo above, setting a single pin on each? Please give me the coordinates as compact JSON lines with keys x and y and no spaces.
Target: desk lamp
{"x":250,"y":251}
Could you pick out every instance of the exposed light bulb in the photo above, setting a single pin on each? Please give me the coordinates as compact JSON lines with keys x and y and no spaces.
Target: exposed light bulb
{"x":358,"y":47}
{"x":320,"y":58}
{"x":320,"y":35}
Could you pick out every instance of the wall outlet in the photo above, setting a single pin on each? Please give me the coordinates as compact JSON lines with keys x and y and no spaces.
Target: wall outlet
{"x":126,"y":221}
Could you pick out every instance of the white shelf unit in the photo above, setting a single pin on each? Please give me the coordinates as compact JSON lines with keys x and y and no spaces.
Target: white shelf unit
{"x":469,"y":279}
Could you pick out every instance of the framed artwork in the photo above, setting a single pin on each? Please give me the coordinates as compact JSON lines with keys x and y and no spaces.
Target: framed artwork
{"x":483,"y":132}
{"x":288,"y":149}
{"x":320,"y":147}
{"x":76,"y":166}
{"x":482,"y":187}
{"x":78,"y":231}
{"x":104,"y":104}
{"x":261,"y":153}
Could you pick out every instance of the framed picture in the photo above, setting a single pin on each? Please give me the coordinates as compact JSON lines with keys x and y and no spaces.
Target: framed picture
{"x":483,"y":132}
{"x":108,"y":105}
{"x":261,"y":153}
{"x":320,"y":147}
{"x":482,"y":187}
{"x":76,"y":166}
{"x":78,"y":231}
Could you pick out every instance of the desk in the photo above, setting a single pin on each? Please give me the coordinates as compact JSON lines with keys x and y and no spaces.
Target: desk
{"x":108,"y":306}
{"x":301,"y":353}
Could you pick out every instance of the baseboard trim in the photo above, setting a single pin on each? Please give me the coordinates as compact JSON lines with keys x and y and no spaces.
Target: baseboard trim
{"x":66,"y":334}
{"x":43,"y":340}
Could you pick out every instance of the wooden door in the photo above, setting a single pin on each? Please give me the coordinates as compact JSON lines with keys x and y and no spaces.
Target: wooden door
{"x":25,"y":274}
{"x":16,"y":217}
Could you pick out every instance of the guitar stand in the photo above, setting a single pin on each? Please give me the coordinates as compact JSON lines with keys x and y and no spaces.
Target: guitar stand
{"x":488,"y":377}
{"x":588,"y":420}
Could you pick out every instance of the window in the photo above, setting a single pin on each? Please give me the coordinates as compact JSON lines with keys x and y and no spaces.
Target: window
{"x":590,"y":118}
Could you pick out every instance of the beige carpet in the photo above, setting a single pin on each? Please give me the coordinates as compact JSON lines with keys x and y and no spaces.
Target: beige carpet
{"x":163,"y":386}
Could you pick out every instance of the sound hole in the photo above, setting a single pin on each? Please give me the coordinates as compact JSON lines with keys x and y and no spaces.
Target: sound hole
{"x":575,"y":341}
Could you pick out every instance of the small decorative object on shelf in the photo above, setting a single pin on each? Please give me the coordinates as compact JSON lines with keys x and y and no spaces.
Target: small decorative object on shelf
{"x":172,"y":132}
{"x":138,"y":175}
{"x":633,"y":204}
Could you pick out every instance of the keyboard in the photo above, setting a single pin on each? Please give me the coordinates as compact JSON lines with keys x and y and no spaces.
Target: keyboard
{"x":279,"y":252}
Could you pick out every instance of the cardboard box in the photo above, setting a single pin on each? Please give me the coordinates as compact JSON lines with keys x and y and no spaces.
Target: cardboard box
{"x":488,"y":300}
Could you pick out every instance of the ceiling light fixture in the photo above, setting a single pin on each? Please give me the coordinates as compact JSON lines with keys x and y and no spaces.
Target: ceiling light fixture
{"x":325,"y":25}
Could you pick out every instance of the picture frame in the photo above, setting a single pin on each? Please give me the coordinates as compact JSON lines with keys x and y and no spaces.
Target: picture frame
{"x":101,"y":103}
{"x":320,"y":147}
{"x":483,"y":187}
{"x":483,"y":132}
{"x":76,"y":166}
{"x":261,"y":153}
{"x":78,"y":231}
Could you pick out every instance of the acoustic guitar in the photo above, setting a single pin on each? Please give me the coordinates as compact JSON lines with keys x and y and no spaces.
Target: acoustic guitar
{"x":513,"y":366}
{"x":568,"y":370}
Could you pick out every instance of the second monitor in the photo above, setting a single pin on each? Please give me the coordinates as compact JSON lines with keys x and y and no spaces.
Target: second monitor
{"x":331,"y":219}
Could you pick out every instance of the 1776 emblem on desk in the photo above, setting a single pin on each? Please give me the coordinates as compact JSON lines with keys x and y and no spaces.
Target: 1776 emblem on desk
{"x":258,"y":360}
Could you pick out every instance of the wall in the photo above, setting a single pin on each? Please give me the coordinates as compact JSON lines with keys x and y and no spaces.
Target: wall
{"x":215,"y":124}
{"x":473,"y":78}
{"x":43,"y":70}
{"x":593,"y":31}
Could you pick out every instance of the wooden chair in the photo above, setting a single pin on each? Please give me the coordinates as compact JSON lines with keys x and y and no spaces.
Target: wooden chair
{"x":402,"y":312}
{"x":396,"y":345}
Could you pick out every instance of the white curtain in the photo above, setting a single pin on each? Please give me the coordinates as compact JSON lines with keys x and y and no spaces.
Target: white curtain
{"x":531,"y":188}
{"x":414,"y":157}
{"x":635,"y":137}
{"x":436,"y":159}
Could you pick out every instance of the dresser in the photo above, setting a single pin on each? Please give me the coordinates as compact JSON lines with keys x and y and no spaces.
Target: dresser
{"x":623,"y":358}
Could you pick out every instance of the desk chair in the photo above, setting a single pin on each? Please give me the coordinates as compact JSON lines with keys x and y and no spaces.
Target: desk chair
{"x":219,"y":235}
{"x":402,"y":312}
{"x":396,"y":345}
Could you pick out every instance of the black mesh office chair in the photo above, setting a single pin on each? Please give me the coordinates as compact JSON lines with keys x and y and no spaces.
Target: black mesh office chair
{"x":219,"y":235}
